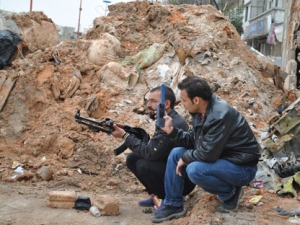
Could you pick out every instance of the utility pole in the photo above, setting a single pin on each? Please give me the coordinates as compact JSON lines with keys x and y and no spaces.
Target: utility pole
{"x":106,"y":2}
{"x":31,"y":5}
{"x":80,"y":8}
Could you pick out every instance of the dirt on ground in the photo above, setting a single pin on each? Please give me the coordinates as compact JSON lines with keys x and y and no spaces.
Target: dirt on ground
{"x":27,"y":204}
{"x":107,"y":74}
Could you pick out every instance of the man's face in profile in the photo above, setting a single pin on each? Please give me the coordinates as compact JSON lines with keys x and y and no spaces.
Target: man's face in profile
{"x":153,"y":100}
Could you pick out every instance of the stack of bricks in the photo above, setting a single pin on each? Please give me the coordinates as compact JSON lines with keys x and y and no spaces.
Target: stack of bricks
{"x":62,"y":199}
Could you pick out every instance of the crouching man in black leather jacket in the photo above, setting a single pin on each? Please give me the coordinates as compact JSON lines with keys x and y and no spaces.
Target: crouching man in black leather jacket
{"x":220,"y":154}
{"x":148,"y":160}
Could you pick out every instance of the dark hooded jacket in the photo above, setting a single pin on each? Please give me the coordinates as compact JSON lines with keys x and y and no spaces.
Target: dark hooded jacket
{"x":160,"y":145}
{"x":222,"y":133}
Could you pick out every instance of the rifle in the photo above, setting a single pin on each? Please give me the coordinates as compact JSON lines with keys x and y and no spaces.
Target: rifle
{"x":106,"y":126}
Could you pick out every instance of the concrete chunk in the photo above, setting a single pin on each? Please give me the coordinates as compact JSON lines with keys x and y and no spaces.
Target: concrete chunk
{"x":108,"y":206}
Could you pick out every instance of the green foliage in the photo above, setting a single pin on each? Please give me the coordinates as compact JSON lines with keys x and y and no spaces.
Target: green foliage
{"x":176,"y":2}
{"x":180,"y":2}
{"x":236,"y":17}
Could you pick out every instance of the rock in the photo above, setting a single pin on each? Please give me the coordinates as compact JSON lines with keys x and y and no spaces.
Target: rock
{"x":45,"y":173}
{"x":108,"y":206}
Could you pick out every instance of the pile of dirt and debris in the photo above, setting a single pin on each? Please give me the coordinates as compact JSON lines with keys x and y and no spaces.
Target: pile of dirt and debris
{"x":107,"y":74}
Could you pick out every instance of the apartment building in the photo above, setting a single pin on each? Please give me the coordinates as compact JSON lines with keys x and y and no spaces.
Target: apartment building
{"x":263,"y":26}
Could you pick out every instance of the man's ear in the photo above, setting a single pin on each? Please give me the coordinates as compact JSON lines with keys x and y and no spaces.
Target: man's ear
{"x":196,"y":100}
{"x":167,"y":104}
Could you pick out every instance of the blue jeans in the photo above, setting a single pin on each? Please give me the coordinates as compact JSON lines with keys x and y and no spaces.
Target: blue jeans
{"x":220,"y":177}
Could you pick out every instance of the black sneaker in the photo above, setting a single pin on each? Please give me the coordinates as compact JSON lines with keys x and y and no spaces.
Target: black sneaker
{"x":168,"y":213}
{"x":232,"y":203}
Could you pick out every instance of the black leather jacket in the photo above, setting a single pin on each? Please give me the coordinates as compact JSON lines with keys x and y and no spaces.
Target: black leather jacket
{"x":160,"y":145}
{"x":223,"y":133}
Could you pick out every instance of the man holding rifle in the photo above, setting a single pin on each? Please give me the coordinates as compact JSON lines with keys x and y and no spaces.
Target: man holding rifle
{"x":148,"y":160}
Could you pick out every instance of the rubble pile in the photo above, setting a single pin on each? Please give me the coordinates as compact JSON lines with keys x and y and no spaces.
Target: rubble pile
{"x":107,"y":74}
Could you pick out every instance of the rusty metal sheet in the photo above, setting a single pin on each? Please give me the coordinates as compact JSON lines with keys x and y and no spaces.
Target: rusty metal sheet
{"x":290,"y":119}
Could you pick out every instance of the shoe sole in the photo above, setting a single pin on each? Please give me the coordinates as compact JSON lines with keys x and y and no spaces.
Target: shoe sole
{"x":173,"y":216}
{"x":223,"y":210}
{"x":146,"y":205}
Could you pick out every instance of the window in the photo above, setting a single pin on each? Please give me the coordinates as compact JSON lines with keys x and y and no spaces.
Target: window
{"x":246,"y":13}
{"x":264,"y":6}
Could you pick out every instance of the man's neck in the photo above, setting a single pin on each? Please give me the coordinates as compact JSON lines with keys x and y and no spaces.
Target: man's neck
{"x":203,"y":107}
{"x":168,"y":111}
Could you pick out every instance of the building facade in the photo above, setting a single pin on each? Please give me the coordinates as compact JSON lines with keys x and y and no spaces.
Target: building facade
{"x":291,"y":40}
{"x":263,"y":26}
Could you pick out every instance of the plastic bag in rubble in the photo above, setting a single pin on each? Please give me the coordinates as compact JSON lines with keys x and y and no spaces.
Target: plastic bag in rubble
{"x":145,"y":58}
{"x":95,"y":211}
{"x":8,"y":47}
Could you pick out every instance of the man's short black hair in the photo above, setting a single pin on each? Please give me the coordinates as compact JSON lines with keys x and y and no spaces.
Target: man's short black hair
{"x":196,"y":87}
{"x":169,"y":94}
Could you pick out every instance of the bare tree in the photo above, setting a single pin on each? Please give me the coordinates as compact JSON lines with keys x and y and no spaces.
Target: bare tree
{"x":226,"y":5}
{"x":231,"y":8}
{"x":221,"y":5}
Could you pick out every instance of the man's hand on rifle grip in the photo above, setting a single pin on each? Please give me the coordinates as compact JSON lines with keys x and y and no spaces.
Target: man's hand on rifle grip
{"x":118,"y":132}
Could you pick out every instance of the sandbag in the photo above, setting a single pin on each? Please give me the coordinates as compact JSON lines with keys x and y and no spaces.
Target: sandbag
{"x":8,"y":47}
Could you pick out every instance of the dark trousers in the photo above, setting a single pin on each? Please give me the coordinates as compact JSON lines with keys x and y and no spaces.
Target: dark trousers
{"x":151,"y":174}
